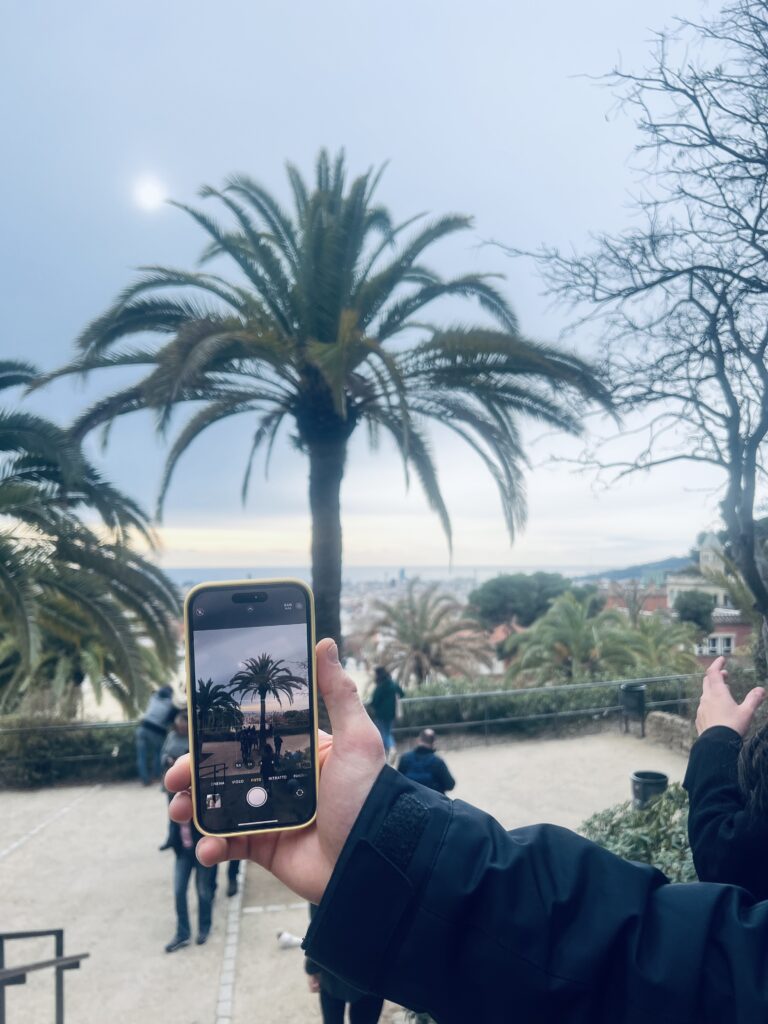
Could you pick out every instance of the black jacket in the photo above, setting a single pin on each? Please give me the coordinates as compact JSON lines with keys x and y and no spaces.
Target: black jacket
{"x":383,"y":701}
{"x":423,"y":765}
{"x":433,"y":905}
{"x":728,"y":844}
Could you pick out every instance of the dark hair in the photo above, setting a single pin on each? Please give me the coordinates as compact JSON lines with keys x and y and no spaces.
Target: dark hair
{"x":380,"y":675}
{"x":753,"y":773}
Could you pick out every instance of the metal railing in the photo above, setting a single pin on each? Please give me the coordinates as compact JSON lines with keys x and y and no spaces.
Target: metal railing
{"x":59,"y":963}
{"x":486,"y":720}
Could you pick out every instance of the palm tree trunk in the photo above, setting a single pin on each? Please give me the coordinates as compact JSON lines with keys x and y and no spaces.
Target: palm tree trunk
{"x":263,"y":724}
{"x":326,"y":470}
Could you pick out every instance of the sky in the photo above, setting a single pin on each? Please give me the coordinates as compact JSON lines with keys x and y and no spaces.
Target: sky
{"x":485,"y":109}
{"x":219,"y":654}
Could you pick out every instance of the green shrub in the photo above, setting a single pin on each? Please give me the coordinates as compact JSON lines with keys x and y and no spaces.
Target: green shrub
{"x":530,"y":709}
{"x":44,"y":751}
{"x":657,"y":834}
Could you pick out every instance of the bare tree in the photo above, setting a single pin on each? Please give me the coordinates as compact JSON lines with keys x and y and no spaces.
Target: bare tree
{"x":682,"y":295}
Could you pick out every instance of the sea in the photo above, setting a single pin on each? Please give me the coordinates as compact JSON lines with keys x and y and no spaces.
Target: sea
{"x":353,"y":575}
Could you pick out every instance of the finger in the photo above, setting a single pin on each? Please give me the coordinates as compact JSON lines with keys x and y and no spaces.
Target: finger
{"x":213,"y":850}
{"x":713,"y":677}
{"x":180,"y":808}
{"x":752,"y":702}
{"x":179,"y":775}
{"x":349,"y":719}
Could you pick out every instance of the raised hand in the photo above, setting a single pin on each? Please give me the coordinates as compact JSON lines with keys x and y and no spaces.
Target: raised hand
{"x":717,"y":706}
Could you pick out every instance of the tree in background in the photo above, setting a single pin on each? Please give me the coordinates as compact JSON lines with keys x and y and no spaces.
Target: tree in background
{"x":569,"y":644}
{"x":75,"y":601}
{"x":661,"y":647}
{"x":516,"y":597}
{"x":425,"y":635}
{"x":682,"y":295}
{"x":696,"y":607}
{"x":320,"y":327}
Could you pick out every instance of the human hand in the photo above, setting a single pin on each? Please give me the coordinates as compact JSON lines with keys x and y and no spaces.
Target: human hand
{"x":314,"y":982}
{"x":350,"y":762}
{"x":717,"y":706}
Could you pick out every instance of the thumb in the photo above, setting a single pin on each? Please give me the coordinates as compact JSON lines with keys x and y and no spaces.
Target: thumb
{"x":349,"y":719}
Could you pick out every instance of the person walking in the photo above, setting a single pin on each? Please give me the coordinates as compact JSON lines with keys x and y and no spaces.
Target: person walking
{"x":278,"y":741}
{"x":422,"y":765}
{"x":183,"y":838}
{"x":151,"y":732}
{"x":175,"y":744}
{"x":383,"y":705}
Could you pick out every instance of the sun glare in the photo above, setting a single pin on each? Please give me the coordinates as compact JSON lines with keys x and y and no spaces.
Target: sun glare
{"x":149,"y":193}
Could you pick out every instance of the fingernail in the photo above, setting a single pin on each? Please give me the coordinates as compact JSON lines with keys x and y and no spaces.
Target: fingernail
{"x":333,"y":654}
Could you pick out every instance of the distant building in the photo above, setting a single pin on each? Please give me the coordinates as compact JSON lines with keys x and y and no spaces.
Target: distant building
{"x":731,"y":630}
{"x":711,"y":560}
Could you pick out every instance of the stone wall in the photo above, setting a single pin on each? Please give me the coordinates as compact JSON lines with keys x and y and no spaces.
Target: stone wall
{"x":673,"y":731}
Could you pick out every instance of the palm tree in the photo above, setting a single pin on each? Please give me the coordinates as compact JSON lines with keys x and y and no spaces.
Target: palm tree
{"x":73,"y":600}
{"x":427,"y":634}
{"x":315,"y":333}
{"x":266,"y":677}
{"x":660,"y":645}
{"x":570,"y":644}
{"x":215,"y":703}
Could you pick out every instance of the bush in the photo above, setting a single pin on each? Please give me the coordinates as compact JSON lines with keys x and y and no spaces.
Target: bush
{"x":527,"y":707}
{"x":657,"y":834}
{"x":45,"y":751}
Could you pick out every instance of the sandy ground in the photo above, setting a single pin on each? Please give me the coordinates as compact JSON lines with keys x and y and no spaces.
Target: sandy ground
{"x":86,"y":859}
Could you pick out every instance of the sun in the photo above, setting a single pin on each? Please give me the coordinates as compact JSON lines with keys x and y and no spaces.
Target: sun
{"x":149,"y":193}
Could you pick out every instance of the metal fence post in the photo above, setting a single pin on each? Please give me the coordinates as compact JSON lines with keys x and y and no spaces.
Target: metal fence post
{"x":59,"y":941}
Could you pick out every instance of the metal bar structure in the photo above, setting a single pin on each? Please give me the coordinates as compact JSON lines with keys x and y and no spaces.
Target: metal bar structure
{"x":18,"y":975}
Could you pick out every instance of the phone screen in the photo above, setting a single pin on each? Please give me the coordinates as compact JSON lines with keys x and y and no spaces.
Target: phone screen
{"x":253,"y":714}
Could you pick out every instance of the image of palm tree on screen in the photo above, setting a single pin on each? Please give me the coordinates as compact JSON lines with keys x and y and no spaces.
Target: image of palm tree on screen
{"x":266,"y":677}
{"x":216,"y":707}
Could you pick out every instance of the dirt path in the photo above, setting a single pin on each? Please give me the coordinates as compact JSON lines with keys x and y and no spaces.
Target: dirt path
{"x":86,"y":859}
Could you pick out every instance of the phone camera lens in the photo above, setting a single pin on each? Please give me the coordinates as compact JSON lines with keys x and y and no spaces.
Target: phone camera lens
{"x":199,"y":612}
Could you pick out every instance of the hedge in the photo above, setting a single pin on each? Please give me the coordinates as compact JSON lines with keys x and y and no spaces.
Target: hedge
{"x":45,"y":751}
{"x":531,"y":710}
{"x":656,"y":834}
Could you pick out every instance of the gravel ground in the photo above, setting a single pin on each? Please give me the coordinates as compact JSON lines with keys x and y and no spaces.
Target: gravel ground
{"x":86,"y":859}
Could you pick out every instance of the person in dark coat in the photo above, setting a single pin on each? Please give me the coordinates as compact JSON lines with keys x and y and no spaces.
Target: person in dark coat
{"x":183,"y":838}
{"x":336,"y":995}
{"x":151,"y":732}
{"x":727,"y":784}
{"x":423,"y":765}
{"x":383,"y":704}
{"x":430,"y":903}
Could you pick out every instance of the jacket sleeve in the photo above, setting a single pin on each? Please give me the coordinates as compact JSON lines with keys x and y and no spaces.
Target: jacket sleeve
{"x":433,"y":905}
{"x":728,"y":844}
{"x":447,"y":781}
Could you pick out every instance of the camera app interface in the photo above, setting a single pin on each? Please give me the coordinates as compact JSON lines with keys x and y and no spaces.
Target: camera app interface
{"x":252,"y":700}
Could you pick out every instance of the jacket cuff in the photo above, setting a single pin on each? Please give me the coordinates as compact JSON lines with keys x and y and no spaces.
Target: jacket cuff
{"x":720,"y":734}
{"x":382,"y":869}
{"x":714,"y":756}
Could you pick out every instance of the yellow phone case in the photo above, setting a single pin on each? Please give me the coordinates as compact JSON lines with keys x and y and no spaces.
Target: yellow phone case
{"x":220,"y":585}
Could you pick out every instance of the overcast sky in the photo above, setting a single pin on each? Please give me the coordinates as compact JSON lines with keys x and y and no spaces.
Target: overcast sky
{"x":220,"y":653}
{"x":478,"y":107}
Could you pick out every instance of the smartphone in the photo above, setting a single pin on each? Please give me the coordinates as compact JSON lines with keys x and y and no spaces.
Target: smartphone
{"x":252,"y":701}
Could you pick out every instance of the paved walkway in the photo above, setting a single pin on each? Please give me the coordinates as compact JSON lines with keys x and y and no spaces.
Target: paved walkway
{"x":86,"y":859}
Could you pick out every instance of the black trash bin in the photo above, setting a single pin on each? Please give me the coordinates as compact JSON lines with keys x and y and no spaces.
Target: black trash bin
{"x":646,"y":785}
{"x":632,"y":701}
